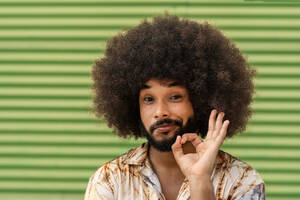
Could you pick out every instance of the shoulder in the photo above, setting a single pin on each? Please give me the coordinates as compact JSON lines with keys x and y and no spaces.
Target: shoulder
{"x":233,"y":177}
{"x":105,"y":181}
{"x":121,"y":165}
{"x":238,"y":168}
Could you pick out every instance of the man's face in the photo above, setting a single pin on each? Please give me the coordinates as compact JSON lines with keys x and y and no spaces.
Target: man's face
{"x":166,"y":112}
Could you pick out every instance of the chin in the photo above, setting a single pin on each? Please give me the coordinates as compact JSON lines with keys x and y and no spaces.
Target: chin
{"x":165,"y":143}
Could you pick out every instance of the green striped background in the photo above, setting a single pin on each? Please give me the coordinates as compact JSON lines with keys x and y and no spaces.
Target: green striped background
{"x":50,"y":142}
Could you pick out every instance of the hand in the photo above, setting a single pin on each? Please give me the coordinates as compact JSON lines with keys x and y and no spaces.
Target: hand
{"x":201,"y":163}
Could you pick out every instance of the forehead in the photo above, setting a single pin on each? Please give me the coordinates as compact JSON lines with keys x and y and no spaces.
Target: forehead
{"x":167,"y":83}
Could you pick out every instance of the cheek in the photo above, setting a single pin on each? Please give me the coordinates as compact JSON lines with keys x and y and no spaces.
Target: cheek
{"x":190,"y":111}
{"x":145,"y":114}
{"x":184,"y":112}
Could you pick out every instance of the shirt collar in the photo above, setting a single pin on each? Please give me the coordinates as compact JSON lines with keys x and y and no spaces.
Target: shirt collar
{"x":137,"y":156}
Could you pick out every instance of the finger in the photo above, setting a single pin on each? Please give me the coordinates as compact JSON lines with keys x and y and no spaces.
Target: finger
{"x":193,"y":138}
{"x":223,"y":132}
{"x":183,"y":140}
{"x":219,"y":123}
{"x":189,"y":136}
{"x":211,"y":123}
{"x":177,"y":148}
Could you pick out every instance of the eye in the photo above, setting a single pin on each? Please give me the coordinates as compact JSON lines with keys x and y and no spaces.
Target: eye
{"x":176,"y":97}
{"x":148,"y":99}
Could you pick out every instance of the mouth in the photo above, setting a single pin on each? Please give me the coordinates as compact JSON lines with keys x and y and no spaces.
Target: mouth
{"x":165,"y":128}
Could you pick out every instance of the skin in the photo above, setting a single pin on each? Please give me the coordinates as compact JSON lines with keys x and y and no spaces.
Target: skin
{"x":191,"y":157}
{"x":198,"y":166}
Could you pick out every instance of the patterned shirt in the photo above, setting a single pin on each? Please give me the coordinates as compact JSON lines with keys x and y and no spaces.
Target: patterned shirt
{"x":130,"y":177}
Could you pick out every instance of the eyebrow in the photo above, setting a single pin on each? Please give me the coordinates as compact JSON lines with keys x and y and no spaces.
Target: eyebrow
{"x":172,"y":84}
{"x":175,"y":83}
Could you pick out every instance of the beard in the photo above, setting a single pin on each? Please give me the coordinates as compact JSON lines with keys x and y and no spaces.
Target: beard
{"x":166,"y":144}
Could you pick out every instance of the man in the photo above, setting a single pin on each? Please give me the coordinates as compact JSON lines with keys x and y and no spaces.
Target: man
{"x":173,"y":80}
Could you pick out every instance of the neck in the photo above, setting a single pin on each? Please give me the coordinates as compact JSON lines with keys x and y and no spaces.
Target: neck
{"x":166,"y":160}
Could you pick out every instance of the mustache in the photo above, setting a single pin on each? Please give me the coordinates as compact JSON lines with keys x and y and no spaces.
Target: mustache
{"x":165,"y":121}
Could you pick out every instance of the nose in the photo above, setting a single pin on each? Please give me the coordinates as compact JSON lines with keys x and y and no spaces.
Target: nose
{"x":161,"y":111}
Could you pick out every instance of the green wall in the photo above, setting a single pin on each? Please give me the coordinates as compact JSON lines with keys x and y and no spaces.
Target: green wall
{"x":50,"y":142}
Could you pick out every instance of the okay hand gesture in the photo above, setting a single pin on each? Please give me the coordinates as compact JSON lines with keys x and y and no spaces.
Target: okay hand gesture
{"x":201,"y":163}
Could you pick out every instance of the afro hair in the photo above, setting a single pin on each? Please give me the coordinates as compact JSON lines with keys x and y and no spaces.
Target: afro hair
{"x":199,"y":56}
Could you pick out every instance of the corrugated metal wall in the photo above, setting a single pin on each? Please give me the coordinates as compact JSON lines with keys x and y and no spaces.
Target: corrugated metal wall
{"x":50,"y":143}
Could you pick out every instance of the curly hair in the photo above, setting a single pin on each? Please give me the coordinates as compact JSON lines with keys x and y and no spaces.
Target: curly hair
{"x":199,"y":56}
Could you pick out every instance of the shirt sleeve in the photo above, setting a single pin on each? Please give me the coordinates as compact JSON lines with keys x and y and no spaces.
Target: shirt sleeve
{"x":100,"y":186}
{"x":256,"y":193}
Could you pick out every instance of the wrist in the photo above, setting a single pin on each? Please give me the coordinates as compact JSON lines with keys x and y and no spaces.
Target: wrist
{"x":199,"y":178}
{"x":203,"y":182}
{"x":201,"y":188}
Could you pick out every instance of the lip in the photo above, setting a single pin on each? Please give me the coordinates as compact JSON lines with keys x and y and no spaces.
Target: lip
{"x":165,"y":128}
